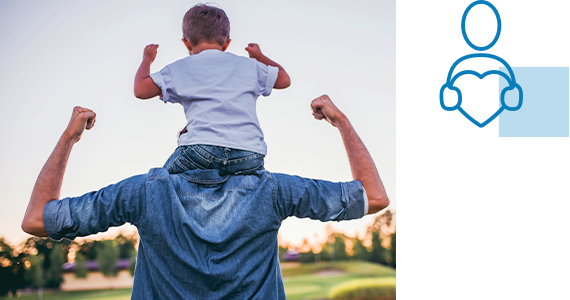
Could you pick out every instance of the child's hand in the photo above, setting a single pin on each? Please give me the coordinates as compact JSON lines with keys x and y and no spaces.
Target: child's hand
{"x":150,"y":52}
{"x":253,"y":50}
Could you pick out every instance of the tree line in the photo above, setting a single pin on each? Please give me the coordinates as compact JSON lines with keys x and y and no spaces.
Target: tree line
{"x":37,"y":263}
{"x":381,"y":237}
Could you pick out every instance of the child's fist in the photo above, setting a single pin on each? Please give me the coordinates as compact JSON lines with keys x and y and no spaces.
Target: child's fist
{"x":150,"y":52}
{"x":253,"y":50}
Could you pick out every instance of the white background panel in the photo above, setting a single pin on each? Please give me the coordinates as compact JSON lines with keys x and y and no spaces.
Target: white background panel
{"x":480,"y":217}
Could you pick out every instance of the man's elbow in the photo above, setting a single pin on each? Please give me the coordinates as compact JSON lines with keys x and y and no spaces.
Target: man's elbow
{"x":377,"y":204}
{"x":27,"y":227}
{"x":33,"y":227}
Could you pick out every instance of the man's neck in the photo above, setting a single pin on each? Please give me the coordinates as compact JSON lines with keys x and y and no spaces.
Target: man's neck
{"x":206,"y":46}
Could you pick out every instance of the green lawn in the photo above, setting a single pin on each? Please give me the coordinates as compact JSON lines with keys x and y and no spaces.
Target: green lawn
{"x":118,"y":294}
{"x":301,"y":282}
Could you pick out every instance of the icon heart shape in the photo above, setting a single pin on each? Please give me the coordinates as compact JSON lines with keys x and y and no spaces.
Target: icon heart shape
{"x":457,"y":106}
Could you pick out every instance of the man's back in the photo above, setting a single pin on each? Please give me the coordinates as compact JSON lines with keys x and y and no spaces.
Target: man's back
{"x":215,"y":238}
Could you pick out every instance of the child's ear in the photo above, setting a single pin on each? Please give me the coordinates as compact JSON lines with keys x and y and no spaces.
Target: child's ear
{"x":187,"y":44}
{"x":226,"y":45}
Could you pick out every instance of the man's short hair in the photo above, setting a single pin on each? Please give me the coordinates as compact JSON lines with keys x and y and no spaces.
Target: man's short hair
{"x":205,"y":23}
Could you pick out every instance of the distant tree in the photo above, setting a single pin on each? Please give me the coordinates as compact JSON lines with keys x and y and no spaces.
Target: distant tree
{"x":307,"y":257}
{"x":378,"y":254}
{"x":81,"y":270}
{"x":44,"y":247}
{"x":384,"y":224}
{"x":90,"y":249}
{"x":127,"y":250}
{"x":11,"y":269}
{"x":132,"y":266}
{"x":56,"y":258}
{"x":393,"y":250}
{"x":327,"y":252}
{"x":282,"y":250}
{"x":339,"y":249}
{"x":133,"y":263}
{"x":107,"y":257}
{"x":36,"y":274}
{"x":359,"y":251}
{"x":126,"y":246}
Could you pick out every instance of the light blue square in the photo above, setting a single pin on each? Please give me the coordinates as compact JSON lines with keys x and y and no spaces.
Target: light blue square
{"x":544,"y":112}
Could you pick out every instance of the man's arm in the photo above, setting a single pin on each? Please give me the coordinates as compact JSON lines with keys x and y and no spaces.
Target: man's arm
{"x":48,"y":184}
{"x":145,"y":88}
{"x":361,"y":163}
{"x":283,"y":81}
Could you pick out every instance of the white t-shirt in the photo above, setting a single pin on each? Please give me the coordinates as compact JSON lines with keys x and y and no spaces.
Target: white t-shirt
{"x":218,"y":91}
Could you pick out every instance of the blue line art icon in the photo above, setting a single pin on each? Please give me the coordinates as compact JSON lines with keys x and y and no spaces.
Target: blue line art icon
{"x":509,"y":76}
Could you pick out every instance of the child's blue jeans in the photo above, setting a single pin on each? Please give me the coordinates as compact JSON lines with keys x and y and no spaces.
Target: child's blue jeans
{"x":227,"y":160}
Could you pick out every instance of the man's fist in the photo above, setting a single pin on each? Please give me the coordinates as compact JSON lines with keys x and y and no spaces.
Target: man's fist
{"x":81,"y":119}
{"x":253,"y":50}
{"x":150,"y":52}
{"x":324,"y":108}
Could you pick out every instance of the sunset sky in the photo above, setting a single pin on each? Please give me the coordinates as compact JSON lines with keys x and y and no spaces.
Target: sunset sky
{"x":58,"y":54}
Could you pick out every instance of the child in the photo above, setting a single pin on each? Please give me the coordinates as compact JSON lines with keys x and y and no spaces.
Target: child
{"x":218,"y":91}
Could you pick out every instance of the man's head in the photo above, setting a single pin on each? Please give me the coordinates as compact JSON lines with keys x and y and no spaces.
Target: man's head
{"x":206,"y":24}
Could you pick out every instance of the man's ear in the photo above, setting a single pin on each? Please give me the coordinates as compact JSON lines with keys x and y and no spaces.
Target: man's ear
{"x":226,"y":45}
{"x":187,"y":44}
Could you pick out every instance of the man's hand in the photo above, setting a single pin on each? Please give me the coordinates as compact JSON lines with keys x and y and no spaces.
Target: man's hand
{"x":324,"y":108}
{"x":81,"y":119}
{"x":150,"y":52}
{"x":253,"y":50}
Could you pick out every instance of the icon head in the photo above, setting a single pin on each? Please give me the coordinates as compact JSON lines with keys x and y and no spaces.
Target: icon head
{"x":492,"y":7}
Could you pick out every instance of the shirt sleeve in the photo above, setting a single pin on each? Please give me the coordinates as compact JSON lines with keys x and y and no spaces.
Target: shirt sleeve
{"x":266,"y":77}
{"x":165,"y":81}
{"x":319,"y":199}
{"x":95,"y":212}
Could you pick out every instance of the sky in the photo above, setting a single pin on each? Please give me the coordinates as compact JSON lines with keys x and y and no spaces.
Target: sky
{"x":58,"y":54}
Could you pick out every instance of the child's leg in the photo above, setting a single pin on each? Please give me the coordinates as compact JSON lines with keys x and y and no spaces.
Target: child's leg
{"x":229,"y":161}
{"x":244,"y":162}
{"x":184,"y":159}
{"x":170,"y":161}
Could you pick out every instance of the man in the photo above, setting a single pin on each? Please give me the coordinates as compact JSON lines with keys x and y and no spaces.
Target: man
{"x":202,"y":235}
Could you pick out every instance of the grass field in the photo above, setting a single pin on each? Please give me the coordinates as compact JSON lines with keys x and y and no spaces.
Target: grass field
{"x":306,"y":281}
{"x":311,"y":281}
{"x":118,"y":294}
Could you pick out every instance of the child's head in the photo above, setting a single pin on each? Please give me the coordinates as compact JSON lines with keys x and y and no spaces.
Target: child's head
{"x":204,"y":23}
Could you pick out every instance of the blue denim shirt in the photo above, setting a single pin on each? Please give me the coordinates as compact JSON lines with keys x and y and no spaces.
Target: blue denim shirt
{"x":202,"y":235}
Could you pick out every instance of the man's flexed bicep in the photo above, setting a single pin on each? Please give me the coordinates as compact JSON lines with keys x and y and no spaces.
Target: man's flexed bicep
{"x":96,"y":211}
{"x":318,"y":199}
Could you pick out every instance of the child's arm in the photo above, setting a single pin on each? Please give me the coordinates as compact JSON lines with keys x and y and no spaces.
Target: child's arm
{"x":283,"y":81}
{"x":145,"y":88}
